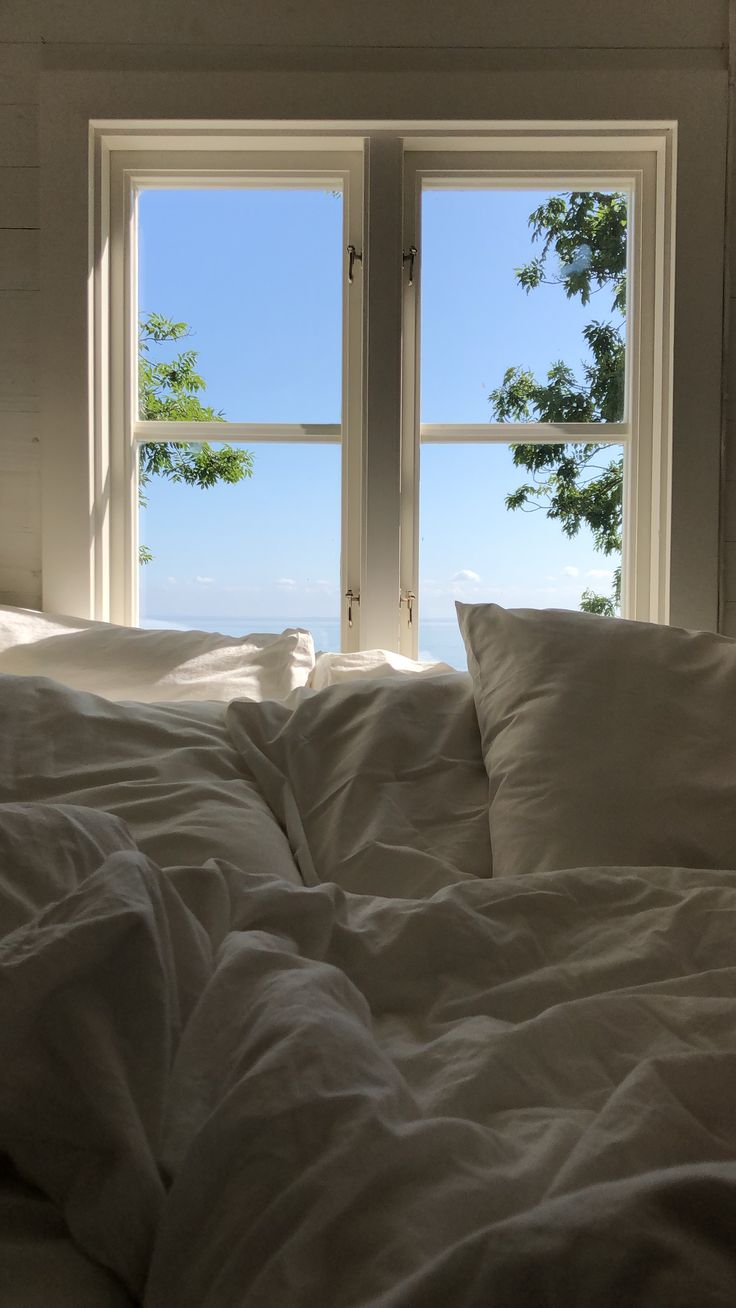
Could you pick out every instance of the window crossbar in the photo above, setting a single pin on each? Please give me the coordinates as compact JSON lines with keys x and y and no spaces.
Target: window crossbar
{"x":528,"y":433}
{"x":234,"y":432}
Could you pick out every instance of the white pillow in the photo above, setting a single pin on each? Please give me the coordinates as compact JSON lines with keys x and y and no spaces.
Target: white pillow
{"x":379,"y":785}
{"x":168,"y":771}
{"x":606,"y":742}
{"x":332,"y":668}
{"x":127,"y":663}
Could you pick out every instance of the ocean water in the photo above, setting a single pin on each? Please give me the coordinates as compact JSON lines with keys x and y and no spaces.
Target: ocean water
{"x":439,"y":639}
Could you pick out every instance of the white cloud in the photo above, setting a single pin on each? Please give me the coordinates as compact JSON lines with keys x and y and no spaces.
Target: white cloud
{"x":465,"y":574}
{"x":599,"y":572}
{"x":286,"y":583}
{"x":171,"y":581}
{"x":571,"y":572}
{"x":205,"y":581}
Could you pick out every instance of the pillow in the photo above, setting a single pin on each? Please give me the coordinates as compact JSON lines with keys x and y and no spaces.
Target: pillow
{"x":332,"y":668}
{"x":128,"y":663}
{"x":168,"y":771}
{"x":379,"y":785}
{"x":606,"y":742}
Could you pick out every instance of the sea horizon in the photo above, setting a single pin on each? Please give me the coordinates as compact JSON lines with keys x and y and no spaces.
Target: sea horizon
{"x":439,"y":638}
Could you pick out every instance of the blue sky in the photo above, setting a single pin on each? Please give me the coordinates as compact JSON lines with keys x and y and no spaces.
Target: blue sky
{"x":257,"y":275}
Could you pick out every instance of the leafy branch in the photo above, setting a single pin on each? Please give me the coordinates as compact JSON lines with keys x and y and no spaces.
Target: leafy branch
{"x":583,"y":239}
{"x":169,"y":390}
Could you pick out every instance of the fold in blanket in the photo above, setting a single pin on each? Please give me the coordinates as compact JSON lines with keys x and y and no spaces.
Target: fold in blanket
{"x":243,"y":1092}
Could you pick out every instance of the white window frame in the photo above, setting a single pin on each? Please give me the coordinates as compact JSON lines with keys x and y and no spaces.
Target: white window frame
{"x":380,"y":431}
{"x":548,"y":163}
{"x":121,"y":429}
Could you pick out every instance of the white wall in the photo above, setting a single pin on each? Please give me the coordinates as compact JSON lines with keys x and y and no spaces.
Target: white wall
{"x":352,"y":58}
{"x":728,"y":467}
{"x":20,"y":493}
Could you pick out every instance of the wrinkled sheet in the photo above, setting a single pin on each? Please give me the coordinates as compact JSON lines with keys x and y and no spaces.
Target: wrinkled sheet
{"x":237,"y":1091}
{"x":168,"y":771}
{"x":332,"y":667}
{"x":379,"y":784}
{"x":40,"y":1264}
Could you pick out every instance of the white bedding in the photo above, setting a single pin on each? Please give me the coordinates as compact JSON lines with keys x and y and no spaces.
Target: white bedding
{"x":128,"y":663}
{"x":169,"y":771}
{"x":605,"y":740}
{"x":331,"y":668}
{"x":39,"y":1262}
{"x":379,"y":785}
{"x":221,"y":1088}
{"x":518,"y":1092}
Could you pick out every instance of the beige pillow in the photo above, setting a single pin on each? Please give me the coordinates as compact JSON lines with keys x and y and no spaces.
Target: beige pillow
{"x":606,"y":742}
{"x":168,"y":771}
{"x":379,"y":784}
{"x":128,"y":663}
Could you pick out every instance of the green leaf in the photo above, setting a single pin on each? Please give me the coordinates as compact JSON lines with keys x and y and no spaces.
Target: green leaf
{"x":583,"y":239}
{"x":169,"y":390}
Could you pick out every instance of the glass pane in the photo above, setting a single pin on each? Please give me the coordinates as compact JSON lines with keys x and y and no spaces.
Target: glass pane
{"x":260,"y":555}
{"x":475,"y":549}
{"x":253,"y":277}
{"x":523,"y":305}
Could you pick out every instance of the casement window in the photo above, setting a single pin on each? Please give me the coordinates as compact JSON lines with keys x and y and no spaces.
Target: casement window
{"x":247,"y":249}
{"x":357,"y":308}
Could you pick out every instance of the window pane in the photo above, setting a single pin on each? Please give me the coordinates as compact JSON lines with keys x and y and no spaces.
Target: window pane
{"x":257,"y":556}
{"x":474,"y":549}
{"x":496,"y":299}
{"x":254,"y":275}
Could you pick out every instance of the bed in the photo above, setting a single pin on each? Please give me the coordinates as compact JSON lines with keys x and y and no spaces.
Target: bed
{"x":335,"y":981}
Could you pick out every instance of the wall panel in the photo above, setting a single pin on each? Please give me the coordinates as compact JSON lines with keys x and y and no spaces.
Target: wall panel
{"x":20,"y":474}
{"x":689,"y":24}
{"x":18,"y":348}
{"x":19,"y":270}
{"x":727,"y":616}
{"x":18,"y":134}
{"x":19,"y":197}
{"x":19,"y":65}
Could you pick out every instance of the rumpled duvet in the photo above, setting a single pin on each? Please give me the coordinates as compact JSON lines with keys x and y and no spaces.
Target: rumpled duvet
{"x":233,"y":1090}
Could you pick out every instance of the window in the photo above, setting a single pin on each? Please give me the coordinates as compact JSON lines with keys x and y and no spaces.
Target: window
{"x":240,"y":350}
{"x":523,"y":415}
{"x":390,"y":357}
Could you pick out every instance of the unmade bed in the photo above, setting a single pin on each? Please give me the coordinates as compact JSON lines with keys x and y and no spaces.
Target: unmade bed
{"x":339,"y":982}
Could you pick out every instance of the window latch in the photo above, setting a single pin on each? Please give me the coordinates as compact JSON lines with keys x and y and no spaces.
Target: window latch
{"x":410,"y":258}
{"x":352,"y":256}
{"x":408,"y":599}
{"x":352,"y":599}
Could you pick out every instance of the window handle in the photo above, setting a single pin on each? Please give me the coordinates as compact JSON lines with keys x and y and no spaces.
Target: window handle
{"x":408,"y":599}
{"x":409,"y":258}
{"x":352,"y":256}
{"x":352,"y":599}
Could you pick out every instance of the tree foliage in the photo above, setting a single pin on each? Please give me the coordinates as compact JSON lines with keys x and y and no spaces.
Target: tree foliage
{"x":582,"y":238}
{"x":170,"y":390}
